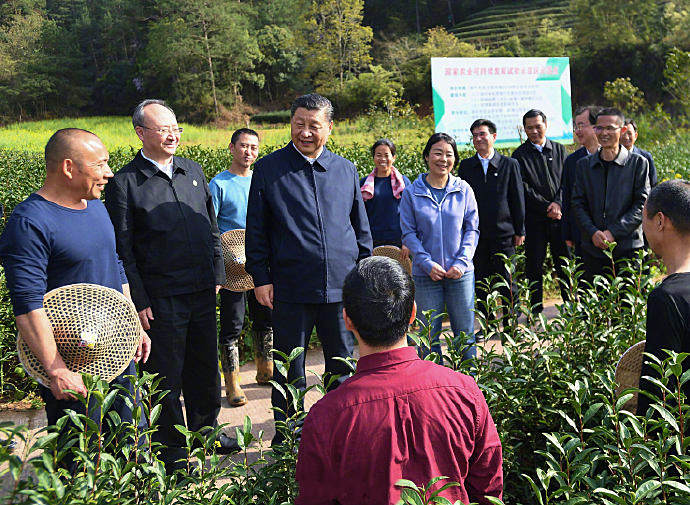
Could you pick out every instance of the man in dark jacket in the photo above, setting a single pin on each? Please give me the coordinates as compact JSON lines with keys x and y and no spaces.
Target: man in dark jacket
{"x":628,"y":139}
{"x":306,"y":229}
{"x":541,"y":163}
{"x":497,"y":186}
{"x":168,"y":240}
{"x":610,"y":191}
{"x":585,"y":117}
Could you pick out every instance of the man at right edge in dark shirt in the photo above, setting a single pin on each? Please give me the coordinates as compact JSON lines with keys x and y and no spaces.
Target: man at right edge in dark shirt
{"x":666,"y":224}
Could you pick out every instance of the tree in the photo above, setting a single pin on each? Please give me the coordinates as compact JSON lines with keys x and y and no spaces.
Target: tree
{"x":677,"y":78}
{"x":624,"y":95}
{"x":440,"y":43}
{"x":511,"y":47}
{"x":552,"y":41}
{"x":676,"y":22}
{"x":375,"y":88}
{"x":281,"y":58}
{"x":607,"y":23}
{"x":199,"y":56}
{"x":336,"y":43}
{"x":39,"y":71}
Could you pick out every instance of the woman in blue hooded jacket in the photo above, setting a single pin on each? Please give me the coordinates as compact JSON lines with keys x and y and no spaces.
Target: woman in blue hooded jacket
{"x":440,"y":226}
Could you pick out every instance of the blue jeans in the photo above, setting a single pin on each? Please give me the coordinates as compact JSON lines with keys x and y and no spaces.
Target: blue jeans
{"x":456,"y":298}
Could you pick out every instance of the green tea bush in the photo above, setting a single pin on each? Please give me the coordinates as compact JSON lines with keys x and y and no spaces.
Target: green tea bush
{"x":565,"y":434}
{"x":81,"y":461}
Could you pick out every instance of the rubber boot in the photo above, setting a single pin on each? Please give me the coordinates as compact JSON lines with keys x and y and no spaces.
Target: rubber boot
{"x":264,"y":370}
{"x":263,"y":344}
{"x":229,"y":360}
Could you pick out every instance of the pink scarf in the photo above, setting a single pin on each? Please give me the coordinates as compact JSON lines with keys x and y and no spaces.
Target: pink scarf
{"x":397,"y":183}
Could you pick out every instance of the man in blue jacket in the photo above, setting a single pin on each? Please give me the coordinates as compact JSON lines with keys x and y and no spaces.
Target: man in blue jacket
{"x":628,"y":139}
{"x":306,"y":229}
{"x":584,"y":120}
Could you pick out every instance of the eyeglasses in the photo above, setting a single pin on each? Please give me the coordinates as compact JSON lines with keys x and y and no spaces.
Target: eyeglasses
{"x":579,"y":127}
{"x":480,"y":135}
{"x":164,"y":131}
{"x":607,"y":129}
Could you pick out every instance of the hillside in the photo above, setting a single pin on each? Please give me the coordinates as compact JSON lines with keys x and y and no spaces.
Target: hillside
{"x":493,"y":26}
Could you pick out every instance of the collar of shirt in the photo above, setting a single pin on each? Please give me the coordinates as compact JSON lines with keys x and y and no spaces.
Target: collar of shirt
{"x":166,"y":169}
{"x":485,"y":161}
{"x":386,"y":358}
{"x":539,"y":147}
{"x":323,"y":160}
{"x":310,"y":160}
{"x":620,"y":160}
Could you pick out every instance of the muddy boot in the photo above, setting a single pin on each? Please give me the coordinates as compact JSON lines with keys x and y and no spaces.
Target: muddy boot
{"x":229,"y":359}
{"x":263,"y":344}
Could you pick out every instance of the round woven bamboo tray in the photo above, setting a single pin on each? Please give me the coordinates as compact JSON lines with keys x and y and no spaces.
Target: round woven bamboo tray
{"x":394,"y":252}
{"x":628,"y":373}
{"x":237,"y":278}
{"x":96,"y":329}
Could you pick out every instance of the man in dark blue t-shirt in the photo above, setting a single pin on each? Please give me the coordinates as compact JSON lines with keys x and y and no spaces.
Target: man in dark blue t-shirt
{"x":62,"y":235}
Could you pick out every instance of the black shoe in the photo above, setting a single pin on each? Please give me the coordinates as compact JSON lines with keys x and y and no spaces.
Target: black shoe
{"x":226,"y":445}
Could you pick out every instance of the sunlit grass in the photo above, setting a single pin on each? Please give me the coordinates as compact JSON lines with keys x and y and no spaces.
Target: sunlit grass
{"x":116,"y":131}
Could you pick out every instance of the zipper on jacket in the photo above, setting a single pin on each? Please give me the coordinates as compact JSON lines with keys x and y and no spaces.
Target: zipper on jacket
{"x":438,"y":204}
{"x":312,"y":179}
{"x":179,"y":206}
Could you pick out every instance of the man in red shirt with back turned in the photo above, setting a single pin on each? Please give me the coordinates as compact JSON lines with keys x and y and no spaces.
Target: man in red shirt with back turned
{"x":397,"y":417}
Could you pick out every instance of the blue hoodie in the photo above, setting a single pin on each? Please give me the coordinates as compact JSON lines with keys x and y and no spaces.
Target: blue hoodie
{"x":445,"y":233}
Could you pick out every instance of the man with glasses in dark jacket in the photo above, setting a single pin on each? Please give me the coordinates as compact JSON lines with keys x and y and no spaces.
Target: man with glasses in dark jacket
{"x":497,"y":186}
{"x":611,"y":187}
{"x":584,"y":119}
{"x":306,"y":228}
{"x":168,"y":240}
{"x":541,"y":162}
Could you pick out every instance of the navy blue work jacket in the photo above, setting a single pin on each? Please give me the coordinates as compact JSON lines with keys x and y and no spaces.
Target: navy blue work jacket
{"x":306,"y":226}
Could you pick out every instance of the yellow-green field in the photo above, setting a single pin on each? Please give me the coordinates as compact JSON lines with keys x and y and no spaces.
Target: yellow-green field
{"x":116,"y":131}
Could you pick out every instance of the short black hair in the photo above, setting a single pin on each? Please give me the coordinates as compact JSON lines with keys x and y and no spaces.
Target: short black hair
{"x":242,"y":131}
{"x":313,"y":101}
{"x":378,"y":296}
{"x":672,"y":199}
{"x":593,"y":110}
{"x":383,"y":142}
{"x":60,"y":145}
{"x":438,"y":137}
{"x":483,"y":122}
{"x":612,"y":111}
{"x":631,"y":122}
{"x":533,"y":113}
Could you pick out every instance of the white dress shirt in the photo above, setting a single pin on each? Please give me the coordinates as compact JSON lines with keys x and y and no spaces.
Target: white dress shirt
{"x":166,"y":169}
{"x":485,"y":161}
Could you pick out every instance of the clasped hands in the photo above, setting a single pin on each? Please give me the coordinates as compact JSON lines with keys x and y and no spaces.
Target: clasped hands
{"x":437,"y":272}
